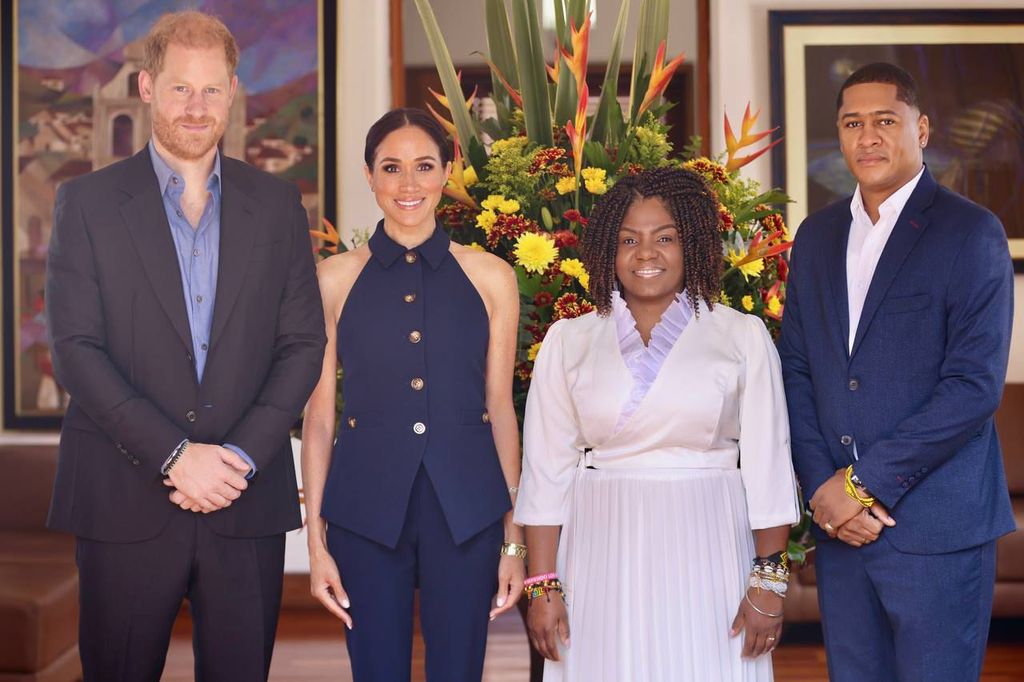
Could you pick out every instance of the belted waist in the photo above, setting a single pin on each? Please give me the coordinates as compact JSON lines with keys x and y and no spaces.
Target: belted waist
{"x":662,"y":458}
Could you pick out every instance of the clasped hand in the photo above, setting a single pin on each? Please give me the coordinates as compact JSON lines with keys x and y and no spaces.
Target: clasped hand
{"x":845,"y":518}
{"x":207,"y":478}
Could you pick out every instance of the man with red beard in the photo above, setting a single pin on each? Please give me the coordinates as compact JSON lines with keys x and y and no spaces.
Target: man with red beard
{"x":188,"y":330}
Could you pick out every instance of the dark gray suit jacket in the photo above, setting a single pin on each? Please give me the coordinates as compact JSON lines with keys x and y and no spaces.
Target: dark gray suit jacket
{"x":122,"y":348}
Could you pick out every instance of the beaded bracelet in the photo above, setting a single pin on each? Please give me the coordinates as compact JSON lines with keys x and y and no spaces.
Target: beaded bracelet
{"x":534,"y":579}
{"x":777,"y":587}
{"x":544,"y":589}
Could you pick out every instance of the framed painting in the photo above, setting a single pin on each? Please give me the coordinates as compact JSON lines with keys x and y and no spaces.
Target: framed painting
{"x":71,"y":105}
{"x":968,"y":66}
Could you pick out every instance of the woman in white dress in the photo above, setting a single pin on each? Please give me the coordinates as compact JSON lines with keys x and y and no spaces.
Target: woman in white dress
{"x":655,"y":440}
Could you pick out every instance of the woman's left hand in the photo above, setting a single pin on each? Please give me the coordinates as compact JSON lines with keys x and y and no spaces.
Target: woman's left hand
{"x":761,"y":633}
{"x":511,"y":574}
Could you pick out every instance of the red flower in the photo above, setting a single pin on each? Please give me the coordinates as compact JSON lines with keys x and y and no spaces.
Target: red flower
{"x":523,"y":371}
{"x":566,"y":238}
{"x":725,"y":219}
{"x":543,"y":299}
{"x":510,"y":226}
{"x":630,"y":169}
{"x":783,"y":268}
{"x":546,"y":159}
{"x":570,"y":305}
{"x":574,"y":216}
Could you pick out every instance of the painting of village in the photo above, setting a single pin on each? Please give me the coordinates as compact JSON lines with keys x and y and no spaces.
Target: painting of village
{"x":77,"y":109}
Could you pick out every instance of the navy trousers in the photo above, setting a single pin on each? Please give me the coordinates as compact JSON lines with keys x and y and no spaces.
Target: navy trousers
{"x":895,"y":617}
{"x":131,"y":593}
{"x":456,"y":584}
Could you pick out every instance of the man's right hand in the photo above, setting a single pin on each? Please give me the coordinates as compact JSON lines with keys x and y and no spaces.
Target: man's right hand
{"x":208,"y":475}
{"x":866,"y":526}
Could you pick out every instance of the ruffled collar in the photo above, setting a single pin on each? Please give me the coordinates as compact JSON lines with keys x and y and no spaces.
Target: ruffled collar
{"x":644,"y":362}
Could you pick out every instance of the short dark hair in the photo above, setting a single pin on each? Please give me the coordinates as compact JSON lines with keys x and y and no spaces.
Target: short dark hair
{"x":883,"y":72}
{"x":400,"y":118}
{"x":694,"y":209}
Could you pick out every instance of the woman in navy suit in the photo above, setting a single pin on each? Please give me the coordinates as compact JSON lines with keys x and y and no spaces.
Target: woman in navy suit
{"x":416,"y":491}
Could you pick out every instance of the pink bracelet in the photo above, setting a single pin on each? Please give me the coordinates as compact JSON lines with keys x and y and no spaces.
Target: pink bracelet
{"x":533,"y":580}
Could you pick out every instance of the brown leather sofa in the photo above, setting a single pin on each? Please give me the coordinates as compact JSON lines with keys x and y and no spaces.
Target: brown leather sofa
{"x":802,"y":602}
{"x":38,"y":577}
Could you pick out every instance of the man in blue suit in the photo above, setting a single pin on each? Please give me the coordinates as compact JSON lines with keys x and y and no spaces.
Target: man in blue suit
{"x":894,"y":349}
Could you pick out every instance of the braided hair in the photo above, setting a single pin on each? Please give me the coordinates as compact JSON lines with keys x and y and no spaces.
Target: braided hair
{"x":694,"y":209}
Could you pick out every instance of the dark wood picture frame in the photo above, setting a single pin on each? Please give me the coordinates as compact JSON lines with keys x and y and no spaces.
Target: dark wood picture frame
{"x":977,"y":145}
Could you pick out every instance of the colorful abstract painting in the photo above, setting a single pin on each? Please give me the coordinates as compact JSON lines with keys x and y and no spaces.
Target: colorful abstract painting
{"x":76,"y":108}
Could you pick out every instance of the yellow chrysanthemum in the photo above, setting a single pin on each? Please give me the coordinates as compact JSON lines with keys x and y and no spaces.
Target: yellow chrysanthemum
{"x":485,"y":221}
{"x":492,"y":202}
{"x":747,"y":302}
{"x":584,"y":280}
{"x":594,"y":179}
{"x":566,"y":185}
{"x":750,"y":269}
{"x":535,"y":252}
{"x":724,"y":299}
{"x":774,"y":305}
{"x":469,"y":176}
{"x":531,"y":354}
{"x":476,"y":247}
{"x":508,"y":206}
{"x":572,"y":267}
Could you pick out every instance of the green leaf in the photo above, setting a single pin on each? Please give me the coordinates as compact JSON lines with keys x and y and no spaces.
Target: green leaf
{"x":502,"y":52}
{"x":478,"y":159}
{"x":596,"y":156}
{"x":652,"y":30}
{"x":608,"y":107}
{"x":449,"y":80}
{"x":561,"y":29}
{"x":529,"y":284}
{"x":532,"y":73}
{"x":566,"y":96}
{"x":578,"y":11}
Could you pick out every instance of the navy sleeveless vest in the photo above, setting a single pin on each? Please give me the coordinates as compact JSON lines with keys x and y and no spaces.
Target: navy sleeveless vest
{"x":412,"y":344}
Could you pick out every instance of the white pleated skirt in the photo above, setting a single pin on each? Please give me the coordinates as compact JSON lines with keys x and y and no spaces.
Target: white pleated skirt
{"x":654,"y":564}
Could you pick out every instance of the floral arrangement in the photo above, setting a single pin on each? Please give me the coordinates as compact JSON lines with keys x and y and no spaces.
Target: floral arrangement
{"x":524,"y":183}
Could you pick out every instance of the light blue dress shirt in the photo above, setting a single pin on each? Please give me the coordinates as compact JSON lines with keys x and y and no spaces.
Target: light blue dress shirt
{"x":198,"y":251}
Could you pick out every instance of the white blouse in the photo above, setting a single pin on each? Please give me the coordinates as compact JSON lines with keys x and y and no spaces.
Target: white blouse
{"x":717,"y":403}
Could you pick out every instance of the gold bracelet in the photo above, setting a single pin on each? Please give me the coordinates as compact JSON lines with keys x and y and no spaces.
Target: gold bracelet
{"x":851,"y":490}
{"x":512,"y":549}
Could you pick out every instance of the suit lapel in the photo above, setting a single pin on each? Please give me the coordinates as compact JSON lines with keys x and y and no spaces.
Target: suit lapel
{"x":236,"y":238}
{"x":147,"y":224}
{"x":836,"y":263}
{"x":909,"y":228}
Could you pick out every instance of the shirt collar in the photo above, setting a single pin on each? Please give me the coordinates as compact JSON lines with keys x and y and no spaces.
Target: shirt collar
{"x":386,"y":250}
{"x":164,"y":172}
{"x":892,"y":206}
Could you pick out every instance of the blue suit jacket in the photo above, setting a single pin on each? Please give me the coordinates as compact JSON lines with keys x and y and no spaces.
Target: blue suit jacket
{"x":925,"y":375}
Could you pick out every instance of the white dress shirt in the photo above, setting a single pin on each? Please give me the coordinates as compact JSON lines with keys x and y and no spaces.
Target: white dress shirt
{"x":865,"y":245}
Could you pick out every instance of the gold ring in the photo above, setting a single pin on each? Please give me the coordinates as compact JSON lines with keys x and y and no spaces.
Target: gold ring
{"x":829,"y":528}
{"x":771,"y":639}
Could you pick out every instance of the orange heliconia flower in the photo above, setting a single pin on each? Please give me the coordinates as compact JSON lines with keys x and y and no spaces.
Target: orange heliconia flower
{"x":661,"y":75}
{"x":732,"y":145}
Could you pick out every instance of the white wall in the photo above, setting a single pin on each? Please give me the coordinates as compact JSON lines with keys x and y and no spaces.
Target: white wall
{"x":364,"y":95}
{"x":740,"y":73}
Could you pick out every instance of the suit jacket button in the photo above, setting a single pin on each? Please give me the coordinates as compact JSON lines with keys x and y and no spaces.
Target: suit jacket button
{"x":190,"y":416}
{"x":417,"y":384}
{"x":351,"y":422}
{"x":415,"y":336}
{"x":846,"y":440}
{"x":419,"y":428}
{"x":486,"y":418}
{"x":853,"y":385}
{"x":409,"y":298}
{"x":135,"y":461}
{"x":410,"y":256}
